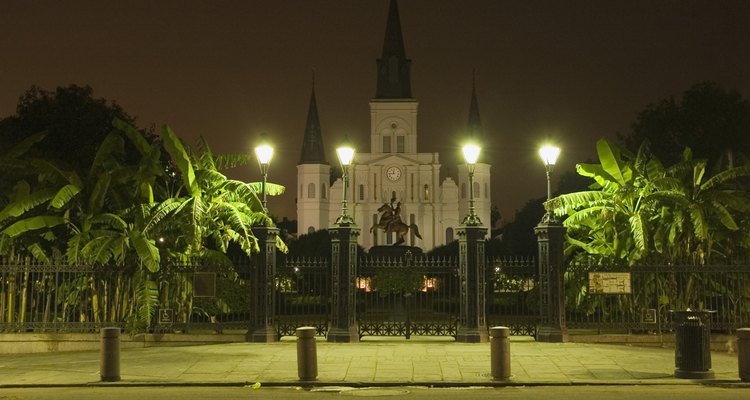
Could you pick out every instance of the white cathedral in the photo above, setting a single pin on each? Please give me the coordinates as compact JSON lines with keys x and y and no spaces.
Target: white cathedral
{"x":394,"y":168}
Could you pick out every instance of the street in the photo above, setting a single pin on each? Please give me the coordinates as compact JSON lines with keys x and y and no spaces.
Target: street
{"x":682,"y":392}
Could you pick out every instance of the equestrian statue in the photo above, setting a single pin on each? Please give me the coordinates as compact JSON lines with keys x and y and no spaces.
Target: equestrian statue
{"x":390,"y":221}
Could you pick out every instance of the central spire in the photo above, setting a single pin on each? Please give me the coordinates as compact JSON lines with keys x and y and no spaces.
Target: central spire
{"x":394,"y":80}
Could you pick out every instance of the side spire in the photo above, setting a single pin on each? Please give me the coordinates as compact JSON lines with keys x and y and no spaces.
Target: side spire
{"x":312,"y":145}
{"x":475,"y":123}
{"x":394,"y":80}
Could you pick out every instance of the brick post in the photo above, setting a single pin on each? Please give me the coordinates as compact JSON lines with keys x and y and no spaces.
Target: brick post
{"x":472,"y":265}
{"x":343,"y":325}
{"x":263,"y":288}
{"x":550,"y":237}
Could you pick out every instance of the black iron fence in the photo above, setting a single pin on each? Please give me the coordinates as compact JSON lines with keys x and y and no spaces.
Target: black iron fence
{"x":639,"y":298}
{"x":410,"y":295}
{"x":402,"y":296}
{"x":513,"y":295}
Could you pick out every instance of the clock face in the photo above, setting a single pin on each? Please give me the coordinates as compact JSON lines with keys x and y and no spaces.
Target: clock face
{"x":393,"y":173}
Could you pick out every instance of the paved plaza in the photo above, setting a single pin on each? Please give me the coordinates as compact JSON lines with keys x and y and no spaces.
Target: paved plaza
{"x":428,"y":361}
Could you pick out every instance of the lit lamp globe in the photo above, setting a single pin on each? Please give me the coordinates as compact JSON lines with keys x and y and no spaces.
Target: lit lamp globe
{"x":264,"y":154}
{"x":549,"y":155}
{"x":346,"y":155}
{"x":471,"y":154}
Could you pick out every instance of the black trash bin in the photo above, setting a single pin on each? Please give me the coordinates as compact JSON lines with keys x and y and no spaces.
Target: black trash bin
{"x":692,"y":348}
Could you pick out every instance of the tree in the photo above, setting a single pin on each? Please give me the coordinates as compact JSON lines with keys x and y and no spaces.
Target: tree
{"x":75,"y":121}
{"x":638,"y":209}
{"x":708,"y":118}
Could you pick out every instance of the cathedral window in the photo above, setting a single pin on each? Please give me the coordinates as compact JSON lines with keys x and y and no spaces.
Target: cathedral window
{"x":400,"y":144}
{"x":322,"y":190}
{"x":300,"y":190}
{"x":448,"y":235}
{"x":426,"y":192}
{"x":311,"y":190}
{"x":361,"y":192}
{"x":386,"y":144}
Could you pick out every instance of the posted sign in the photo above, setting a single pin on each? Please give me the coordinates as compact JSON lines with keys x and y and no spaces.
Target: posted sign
{"x":609,"y":283}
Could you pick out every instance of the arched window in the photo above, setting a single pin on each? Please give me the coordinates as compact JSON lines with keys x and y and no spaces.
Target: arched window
{"x":448,"y":235}
{"x":386,"y":144}
{"x":361,"y":192}
{"x":310,"y":229}
{"x":427,"y":192}
{"x":476,"y":190}
{"x":463,"y":190}
{"x":311,"y":190}
{"x":322,"y":190}
{"x":393,"y":195}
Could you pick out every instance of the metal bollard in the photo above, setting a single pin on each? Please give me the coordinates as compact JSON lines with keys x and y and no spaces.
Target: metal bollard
{"x":500,"y":352}
{"x":307,"y":354}
{"x":109,"y":367}
{"x":743,"y":353}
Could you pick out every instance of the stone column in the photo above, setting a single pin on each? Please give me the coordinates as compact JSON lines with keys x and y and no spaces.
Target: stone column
{"x":263,"y":288}
{"x":343,"y":325}
{"x":472,"y":265}
{"x":550,"y":238}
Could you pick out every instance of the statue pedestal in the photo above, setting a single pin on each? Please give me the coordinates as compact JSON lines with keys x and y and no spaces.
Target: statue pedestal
{"x":393,"y":251}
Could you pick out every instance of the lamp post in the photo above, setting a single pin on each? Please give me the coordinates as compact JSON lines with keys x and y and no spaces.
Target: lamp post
{"x":472,"y":265}
{"x":549,"y":155}
{"x":264,"y":153}
{"x":346,"y":155}
{"x":550,"y":239}
{"x":471,"y":154}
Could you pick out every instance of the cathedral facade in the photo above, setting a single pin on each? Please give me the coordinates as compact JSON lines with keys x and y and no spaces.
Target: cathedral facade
{"x":394,"y":173}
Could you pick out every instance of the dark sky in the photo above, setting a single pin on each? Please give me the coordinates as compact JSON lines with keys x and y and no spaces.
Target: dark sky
{"x":572,"y":71}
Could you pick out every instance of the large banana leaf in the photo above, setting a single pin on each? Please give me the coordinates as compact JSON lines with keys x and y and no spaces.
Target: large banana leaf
{"x":174,"y":147}
{"x":33,"y":223}
{"x":272,"y":189}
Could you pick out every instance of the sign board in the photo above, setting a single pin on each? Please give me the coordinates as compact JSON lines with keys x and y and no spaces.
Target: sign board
{"x":609,"y":283}
{"x":166,"y":316}
{"x":648,"y":316}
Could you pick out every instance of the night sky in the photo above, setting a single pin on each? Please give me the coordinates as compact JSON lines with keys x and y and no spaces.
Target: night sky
{"x":570,"y":71}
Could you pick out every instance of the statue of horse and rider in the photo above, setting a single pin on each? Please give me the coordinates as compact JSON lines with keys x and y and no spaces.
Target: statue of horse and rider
{"x":390,"y":221}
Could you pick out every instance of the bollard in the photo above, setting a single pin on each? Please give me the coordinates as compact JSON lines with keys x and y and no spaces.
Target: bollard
{"x":109,"y":367}
{"x":743,"y":353}
{"x":307,"y":354}
{"x":500,"y":352}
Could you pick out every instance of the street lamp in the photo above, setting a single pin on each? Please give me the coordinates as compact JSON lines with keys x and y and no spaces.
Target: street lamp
{"x":346,"y":155}
{"x":549,"y":155}
{"x":471,"y":154}
{"x":264,"y":153}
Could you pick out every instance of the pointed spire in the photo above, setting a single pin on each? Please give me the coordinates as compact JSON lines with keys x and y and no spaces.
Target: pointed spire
{"x":394,"y":80}
{"x":475,"y":123}
{"x":312,"y":145}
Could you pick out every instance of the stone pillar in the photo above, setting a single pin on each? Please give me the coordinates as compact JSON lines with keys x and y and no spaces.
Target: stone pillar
{"x":343,"y":325}
{"x":262,"y":326}
{"x":472,"y":266}
{"x":550,"y":238}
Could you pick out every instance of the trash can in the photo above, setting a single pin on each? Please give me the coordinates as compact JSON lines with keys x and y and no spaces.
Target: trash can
{"x":692,"y":347}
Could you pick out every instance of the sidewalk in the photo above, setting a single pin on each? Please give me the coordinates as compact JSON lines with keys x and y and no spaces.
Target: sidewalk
{"x":423,"y":361}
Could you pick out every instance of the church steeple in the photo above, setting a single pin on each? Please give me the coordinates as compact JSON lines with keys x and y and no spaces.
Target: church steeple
{"x":312,"y":145}
{"x":394,"y":80}
{"x":475,"y":123}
